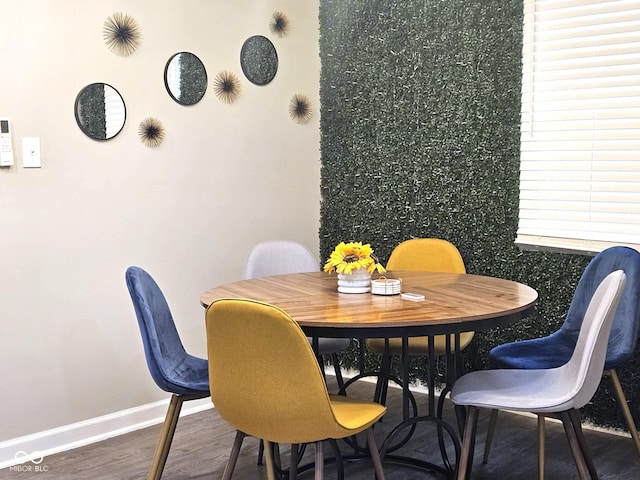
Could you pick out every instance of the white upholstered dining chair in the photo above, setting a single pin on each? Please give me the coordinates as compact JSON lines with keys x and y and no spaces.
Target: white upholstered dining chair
{"x":559,"y":391}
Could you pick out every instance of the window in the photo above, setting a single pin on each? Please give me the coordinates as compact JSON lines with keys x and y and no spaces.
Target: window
{"x":580,"y":129}
{"x":114,"y":113}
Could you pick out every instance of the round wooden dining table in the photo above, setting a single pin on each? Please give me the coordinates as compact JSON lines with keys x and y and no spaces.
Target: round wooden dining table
{"x":452,"y":304}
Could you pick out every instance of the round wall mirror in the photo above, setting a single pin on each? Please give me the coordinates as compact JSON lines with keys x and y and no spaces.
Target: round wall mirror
{"x":185,"y":78}
{"x":259,"y":60}
{"x":100,"y":111}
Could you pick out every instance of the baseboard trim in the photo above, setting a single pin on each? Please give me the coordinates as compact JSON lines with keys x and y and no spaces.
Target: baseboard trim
{"x":33,"y":448}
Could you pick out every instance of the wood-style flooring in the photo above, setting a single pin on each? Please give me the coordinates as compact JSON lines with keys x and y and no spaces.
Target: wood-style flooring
{"x":203,"y":440}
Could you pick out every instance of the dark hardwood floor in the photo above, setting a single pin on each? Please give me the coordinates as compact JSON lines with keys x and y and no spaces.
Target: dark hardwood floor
{"x":203,"y":441}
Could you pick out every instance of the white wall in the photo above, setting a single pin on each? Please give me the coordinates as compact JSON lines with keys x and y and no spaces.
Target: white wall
{"x":226,"y":177}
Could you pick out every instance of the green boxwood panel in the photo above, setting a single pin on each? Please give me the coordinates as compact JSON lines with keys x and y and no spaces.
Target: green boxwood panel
{"x":420,"y":132}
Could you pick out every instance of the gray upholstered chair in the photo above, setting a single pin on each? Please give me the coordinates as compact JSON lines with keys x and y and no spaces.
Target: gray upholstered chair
{"x":558,"y":391}
{"x":556,"y":349}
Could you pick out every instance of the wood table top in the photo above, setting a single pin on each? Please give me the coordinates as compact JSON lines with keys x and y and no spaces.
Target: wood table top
{"x":453,"y":303}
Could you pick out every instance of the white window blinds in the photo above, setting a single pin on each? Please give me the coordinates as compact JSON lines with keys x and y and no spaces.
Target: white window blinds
{"x":114,"y":113}
{"x":580,"y":135}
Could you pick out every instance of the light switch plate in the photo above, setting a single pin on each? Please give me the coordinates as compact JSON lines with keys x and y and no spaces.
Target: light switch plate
{"x":31,"y":152}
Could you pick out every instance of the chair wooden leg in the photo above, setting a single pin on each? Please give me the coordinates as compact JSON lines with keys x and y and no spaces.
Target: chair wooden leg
{"x":493,"y":420}
{"x":468,"y":444}
{"x":166,"y":437}
{"x":271,"y":469}
{"x":622,"y":400}
{"x":319,"y":460}
{"x":375,"y":454}
{"x":261,"y":453}
{"x":233,"y":457}
{"x":541,"y":441}
{"x":576,"y":445}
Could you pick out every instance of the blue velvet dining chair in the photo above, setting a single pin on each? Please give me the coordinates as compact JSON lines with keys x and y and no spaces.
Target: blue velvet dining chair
{"x":556,"y":349}
{"x":174,"y":370}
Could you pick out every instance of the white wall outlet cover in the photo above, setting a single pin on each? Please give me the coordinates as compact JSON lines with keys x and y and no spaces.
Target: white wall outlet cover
{"x":31,"y":152}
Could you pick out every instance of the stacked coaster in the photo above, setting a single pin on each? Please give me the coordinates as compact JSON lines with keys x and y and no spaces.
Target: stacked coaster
{"x":386,"y":286}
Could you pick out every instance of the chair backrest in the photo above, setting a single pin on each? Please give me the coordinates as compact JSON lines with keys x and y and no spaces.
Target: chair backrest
{"x":278,"y":257}
{"x":163,"y":349}
{"x":426,"y":254}
{"x":626,"y":325}
{"x":581,"y":375}
{"x":266,"y":391}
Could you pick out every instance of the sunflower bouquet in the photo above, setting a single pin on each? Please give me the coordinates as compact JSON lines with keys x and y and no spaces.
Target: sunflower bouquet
{"x":349,"y":257}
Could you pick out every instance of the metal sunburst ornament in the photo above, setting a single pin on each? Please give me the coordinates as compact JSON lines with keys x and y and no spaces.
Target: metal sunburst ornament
{"x":279,"y":24}
{"x":300,"y":108}
{"x":226,"y":86}
{"x":121,"y":33}
{"x":151,"y":132}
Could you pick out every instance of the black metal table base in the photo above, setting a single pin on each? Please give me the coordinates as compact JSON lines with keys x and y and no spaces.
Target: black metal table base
{"x":404,"y":431}
{"x":360,"y":452}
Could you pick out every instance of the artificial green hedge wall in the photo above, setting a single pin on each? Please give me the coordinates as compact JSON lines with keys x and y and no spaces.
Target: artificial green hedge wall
{"x":420,"y":103}
{"x":90,"y":110}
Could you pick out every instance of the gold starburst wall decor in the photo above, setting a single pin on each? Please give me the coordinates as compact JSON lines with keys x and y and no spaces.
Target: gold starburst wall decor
{"x":151,"y":132}
{"x":121,"y":33}
{"x":300,"y":108}
{"x":226,"y":86}
{"x":279,"y":24}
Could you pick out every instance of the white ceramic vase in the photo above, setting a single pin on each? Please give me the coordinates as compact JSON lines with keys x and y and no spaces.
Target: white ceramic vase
{"x":358,"y":281}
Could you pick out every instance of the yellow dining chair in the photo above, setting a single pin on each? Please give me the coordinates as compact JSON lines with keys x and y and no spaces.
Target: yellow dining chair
{"x":278,"y":257}
{"x":273,"y":393}
{"x":421,"y":254}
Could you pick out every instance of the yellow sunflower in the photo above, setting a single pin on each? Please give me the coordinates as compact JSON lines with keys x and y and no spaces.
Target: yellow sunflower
{"x":348,"y":257}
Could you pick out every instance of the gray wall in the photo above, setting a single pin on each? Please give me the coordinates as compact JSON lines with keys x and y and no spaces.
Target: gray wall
{"x":225,"y":177}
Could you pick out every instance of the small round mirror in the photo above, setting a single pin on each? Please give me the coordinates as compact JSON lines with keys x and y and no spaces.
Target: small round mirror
{"x":259,"y":60}
{"x":100,"y":111}
{"x":185,"y":78}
